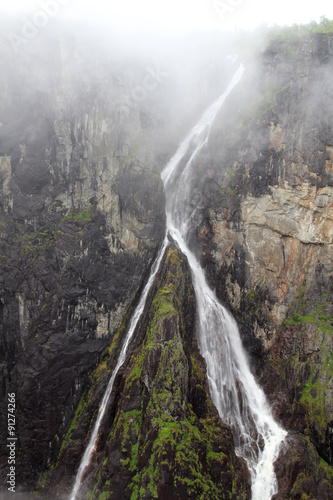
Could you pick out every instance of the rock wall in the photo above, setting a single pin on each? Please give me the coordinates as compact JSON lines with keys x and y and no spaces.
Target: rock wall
{"x":264,"y":229}
{"x":81,"y":219}
{"x":85,"y":128}
{"x":162,"y":437}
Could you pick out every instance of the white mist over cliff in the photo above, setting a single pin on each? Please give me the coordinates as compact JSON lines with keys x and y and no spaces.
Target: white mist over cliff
{"x":175,"y":16}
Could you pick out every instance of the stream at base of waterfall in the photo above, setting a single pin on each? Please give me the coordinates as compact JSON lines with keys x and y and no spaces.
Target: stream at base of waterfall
{"x":239,"y":400}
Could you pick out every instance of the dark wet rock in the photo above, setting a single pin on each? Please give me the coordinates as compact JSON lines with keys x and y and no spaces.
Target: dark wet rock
{"x":81,"y":220}
{"x":301,"y":472}
{"x":162,"y":435}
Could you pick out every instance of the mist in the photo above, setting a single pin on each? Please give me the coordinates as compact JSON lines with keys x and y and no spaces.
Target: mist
{"x":172,"y":75}
{"x":96,"y":100}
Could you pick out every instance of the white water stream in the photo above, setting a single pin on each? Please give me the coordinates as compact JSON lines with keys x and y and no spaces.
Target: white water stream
{"x":239,"y":400}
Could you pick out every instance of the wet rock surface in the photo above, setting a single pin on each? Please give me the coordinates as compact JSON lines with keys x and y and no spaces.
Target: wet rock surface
{"x":264,"y":230}
{"x":162,"y":436}
{"x":301,"y":472}
{"x":81,"y":219}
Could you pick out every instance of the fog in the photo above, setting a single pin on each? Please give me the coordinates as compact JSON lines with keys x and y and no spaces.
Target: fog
{"x":174,"y":58}
{"x":176,"y":15}
{"x":89,"y":92}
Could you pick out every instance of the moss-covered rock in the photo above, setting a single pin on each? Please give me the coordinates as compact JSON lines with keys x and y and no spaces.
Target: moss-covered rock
{"x":166,"y":439}
{"x":302,"y":474}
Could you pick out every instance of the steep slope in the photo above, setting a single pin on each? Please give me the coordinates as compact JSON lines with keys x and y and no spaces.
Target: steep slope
{"x":82,"y":217}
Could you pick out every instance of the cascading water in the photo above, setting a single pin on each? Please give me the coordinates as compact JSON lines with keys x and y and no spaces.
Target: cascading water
{"x":239,"y":400}
{"x":235,"y":393}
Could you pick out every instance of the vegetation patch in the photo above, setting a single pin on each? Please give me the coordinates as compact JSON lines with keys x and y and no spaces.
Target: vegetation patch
{"x":314,"y":374}
{"x":309,"y":312}
{"x":296,"y":31}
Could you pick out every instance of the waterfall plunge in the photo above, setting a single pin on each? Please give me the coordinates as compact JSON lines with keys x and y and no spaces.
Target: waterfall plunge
{"x":239,"y":400}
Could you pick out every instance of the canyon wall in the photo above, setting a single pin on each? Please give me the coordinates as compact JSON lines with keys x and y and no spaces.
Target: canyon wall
{"x":264,"y":234}
{"x":82,"y":217}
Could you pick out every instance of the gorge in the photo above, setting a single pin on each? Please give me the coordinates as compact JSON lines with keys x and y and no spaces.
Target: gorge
{"x":83,"y":219}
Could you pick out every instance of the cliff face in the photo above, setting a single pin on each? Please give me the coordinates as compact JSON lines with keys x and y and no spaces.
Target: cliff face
{"x":82,"y":217}
{"x":162,"y":437}
{"x":85,"y":130}
{"x":265,"y":229}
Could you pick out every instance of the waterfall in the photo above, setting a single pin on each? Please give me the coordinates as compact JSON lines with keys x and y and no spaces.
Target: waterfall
{"x":122,"y":356}
{"x":239,"y":400}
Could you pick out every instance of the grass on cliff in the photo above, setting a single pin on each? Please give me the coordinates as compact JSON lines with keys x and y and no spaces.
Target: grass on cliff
{"x":325,"y":26}
{"x":312,"y":313}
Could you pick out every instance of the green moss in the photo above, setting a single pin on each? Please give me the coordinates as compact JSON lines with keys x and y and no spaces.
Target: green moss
{"x":325,"y":468}
{"x":101,"y":368}
{"x":198,"y":371}
{"x":251,"y":296}
{"x":309,"y":312}
{"x":164,"y":307}
{"x":322,"y":321}
{"x":86,"y":398}
{"x":108,"y":355}
{"x":218,"y":457}
{"x":79,"y":410}
{"x":34,"y":243}
{"x":104,"y":496}
{"x":75,"y":216}
{"x":179,"y":443}
{"x":313,"y":397}
{"x":42,"y":480}
{"x":184,"y":441}
{"x":319,"y":369}
{"x":128,"y":426}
